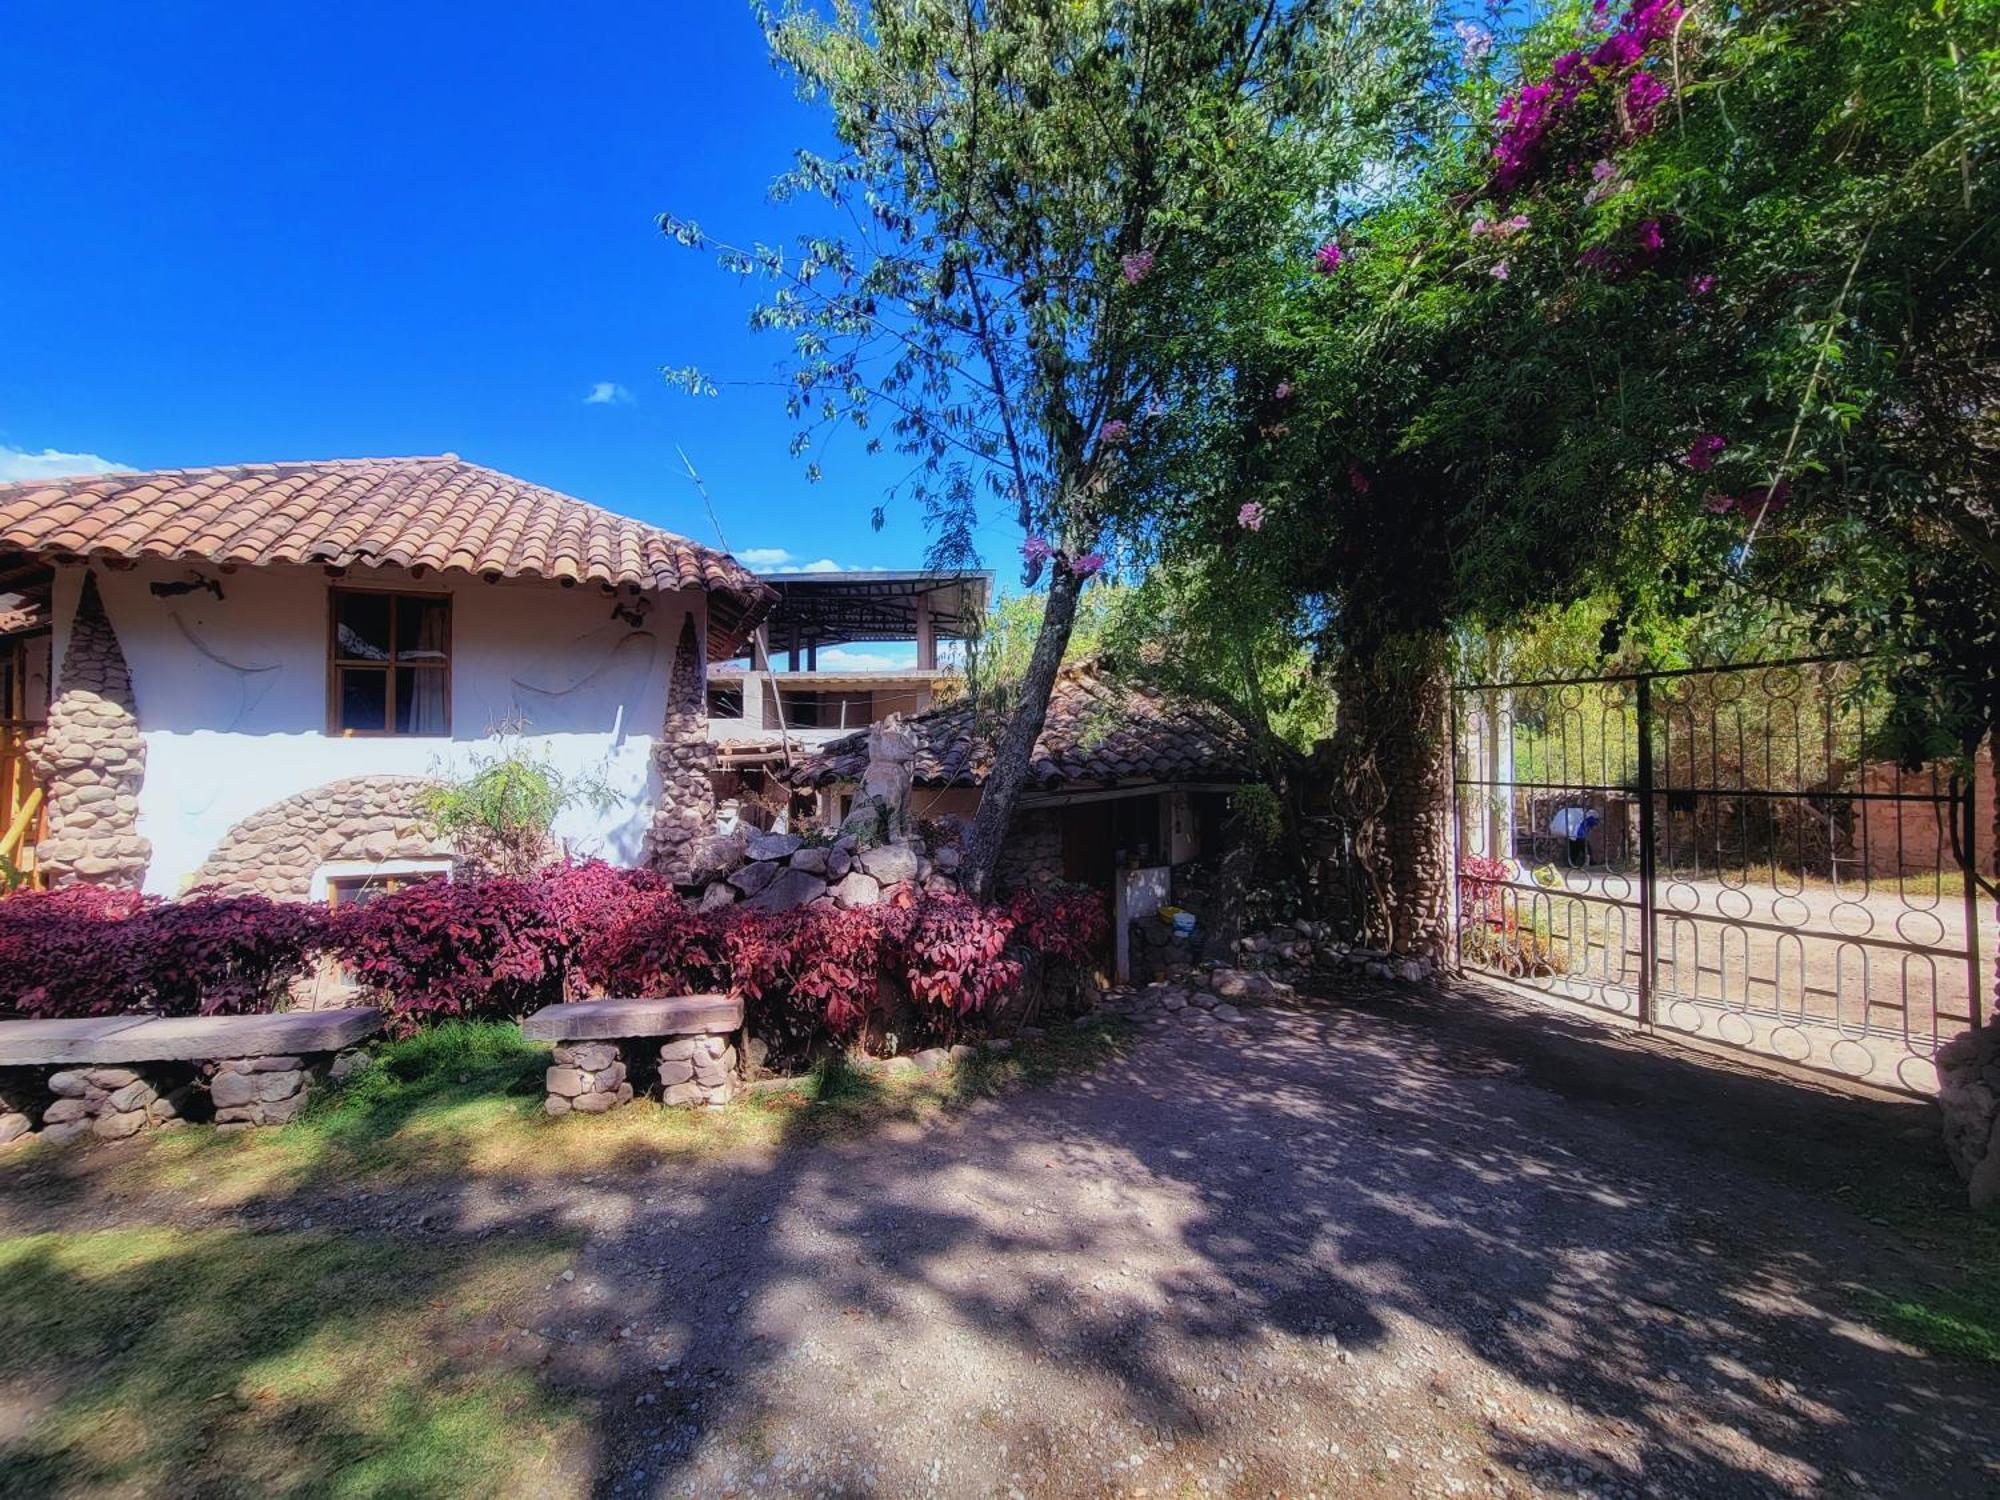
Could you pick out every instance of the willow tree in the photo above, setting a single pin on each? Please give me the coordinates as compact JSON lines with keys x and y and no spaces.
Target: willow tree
{"x":1021,"y":185}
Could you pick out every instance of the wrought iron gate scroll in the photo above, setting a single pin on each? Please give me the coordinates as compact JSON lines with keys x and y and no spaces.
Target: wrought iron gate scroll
{"x":1715,"y":852}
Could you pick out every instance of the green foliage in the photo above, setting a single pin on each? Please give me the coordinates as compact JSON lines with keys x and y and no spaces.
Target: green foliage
{"x":1026,"y":185}
{"x":1262,"y":814}
{"x":500,"y":811}
{"x":997,"y":655}
{"x":1518,"y":389}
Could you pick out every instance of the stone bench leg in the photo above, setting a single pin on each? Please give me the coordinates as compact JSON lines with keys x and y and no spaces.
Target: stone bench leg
{"x":249,"y":1091}
{"x":698,"y":1070}
{"x":109,"y":1103}
{"x":589,"y":1078}
{"x":18,"y":1093}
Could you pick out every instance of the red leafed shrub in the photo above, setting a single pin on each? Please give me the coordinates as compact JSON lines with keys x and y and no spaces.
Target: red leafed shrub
{"x":222,"y":954}
{"x":90,"y":951}
{"x":1069,"y":923}
{"x":591,"y":898}
{"x":808,"y":975}
{"x":443,"y":950}
{"x":953,"y":954}
{"x":1481,"y":889}
{"x":653,"y":943}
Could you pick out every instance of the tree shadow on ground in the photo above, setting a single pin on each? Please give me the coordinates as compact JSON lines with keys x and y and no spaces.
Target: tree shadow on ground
{"x":1405,"y":1240}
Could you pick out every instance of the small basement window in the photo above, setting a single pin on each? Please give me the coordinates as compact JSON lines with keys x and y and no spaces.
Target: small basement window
{"x":389,"y":663}
{"x":345,"y":892}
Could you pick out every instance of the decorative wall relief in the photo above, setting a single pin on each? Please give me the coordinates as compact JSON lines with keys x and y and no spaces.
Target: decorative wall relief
{"x":275,"y":850}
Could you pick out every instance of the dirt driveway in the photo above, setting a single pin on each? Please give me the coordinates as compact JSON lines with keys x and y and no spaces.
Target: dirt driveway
{"x":1401,"y":1243}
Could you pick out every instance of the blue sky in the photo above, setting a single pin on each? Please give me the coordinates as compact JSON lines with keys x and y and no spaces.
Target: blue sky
{"x":265,"y":232}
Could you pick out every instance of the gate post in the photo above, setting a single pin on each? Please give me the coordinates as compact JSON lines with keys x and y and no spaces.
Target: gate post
{"x":1647,"y":871}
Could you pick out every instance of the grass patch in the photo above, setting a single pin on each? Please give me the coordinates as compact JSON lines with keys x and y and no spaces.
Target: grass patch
{"x":1955,"y":1319}
{"x":465,"y":1099}
{"x":223,"y":1362}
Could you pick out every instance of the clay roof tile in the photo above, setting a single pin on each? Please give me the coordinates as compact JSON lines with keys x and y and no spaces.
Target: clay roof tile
{"x":435,"y":512}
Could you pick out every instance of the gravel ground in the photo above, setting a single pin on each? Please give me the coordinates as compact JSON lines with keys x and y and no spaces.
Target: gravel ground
{"x":1408,"y":1243}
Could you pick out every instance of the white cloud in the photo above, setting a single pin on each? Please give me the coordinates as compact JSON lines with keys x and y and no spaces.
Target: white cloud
{"x":607,"y":393}
{"x":18,"y":463}
{"x":846,"y":659}
{"x":784,"y":560}
{"x":841,"y":659}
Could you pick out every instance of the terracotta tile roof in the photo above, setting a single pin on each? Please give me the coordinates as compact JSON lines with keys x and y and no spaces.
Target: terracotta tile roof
{"x":1101,"y":731}
{"x":439,"y":513}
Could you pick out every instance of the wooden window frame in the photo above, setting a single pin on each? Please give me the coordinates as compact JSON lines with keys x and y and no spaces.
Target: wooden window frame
{"x":335,"y":661}
{"x":389,"y":881}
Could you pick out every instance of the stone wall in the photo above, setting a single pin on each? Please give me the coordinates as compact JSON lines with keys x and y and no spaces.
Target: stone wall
{"x":684,"y":759}
{"x":112,"y":1103}
{"x":1032,"y":856}
{"x":778,"y":871}
{"x":1968,"y":1070}
{"x":22,"y":1092}
{"x":275,"y":851}
{"x":251,"y":1091}
{"x":91,"y":760}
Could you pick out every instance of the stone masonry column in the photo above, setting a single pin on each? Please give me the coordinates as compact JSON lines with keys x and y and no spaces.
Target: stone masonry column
{"x":698,"y":1069}
{"x":588,"y":1078}
{"x":91,"y":759}
{"x":683,"y":757}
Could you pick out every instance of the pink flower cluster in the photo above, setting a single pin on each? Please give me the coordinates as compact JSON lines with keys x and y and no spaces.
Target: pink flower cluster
{"x":1501,"y":230}
{"x":1136,"y":266}
{"x":1084,"y":566}
{"x":1327,"y":259}
{"x":1704,"y":450}
{"x":1036,"y":550}
{"x":1251,"y":516}
{"x":1648,"y":240}
{"x":1113,"y":432}
{"x":1529,"y":114}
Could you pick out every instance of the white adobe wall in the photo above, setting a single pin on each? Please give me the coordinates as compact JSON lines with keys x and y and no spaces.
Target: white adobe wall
{"x":232,"y":695}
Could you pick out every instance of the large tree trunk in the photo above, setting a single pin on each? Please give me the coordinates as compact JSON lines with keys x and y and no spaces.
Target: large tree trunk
{"x":1017,"y":742}
{"x":1391,"y":764}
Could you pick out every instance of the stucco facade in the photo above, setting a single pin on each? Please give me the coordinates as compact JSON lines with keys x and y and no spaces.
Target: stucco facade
{"x":231,"y":698}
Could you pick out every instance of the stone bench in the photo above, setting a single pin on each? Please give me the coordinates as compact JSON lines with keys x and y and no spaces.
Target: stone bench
{"x":109,"y":1083}
{"x":697,"y":1059}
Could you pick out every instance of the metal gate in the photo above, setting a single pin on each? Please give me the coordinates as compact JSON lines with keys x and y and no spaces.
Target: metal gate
{"x":1720,"y":852}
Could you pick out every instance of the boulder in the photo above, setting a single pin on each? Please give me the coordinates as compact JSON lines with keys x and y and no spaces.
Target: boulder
{"x":715,"y":856}
{"x":812,"y":861}
{"x":788,"y":889}
{"x":839,"y":860}
{"x":718,"y":895}
{"x":858,"y":890}
{"x":891,"y":864}
{"x":771,"y":845}
{"x":753,"y":878}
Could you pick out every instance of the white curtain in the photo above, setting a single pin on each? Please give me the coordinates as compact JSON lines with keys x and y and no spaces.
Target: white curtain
{"x":428,"y":712}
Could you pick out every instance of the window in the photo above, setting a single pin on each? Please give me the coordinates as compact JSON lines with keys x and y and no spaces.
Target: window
{"x":725,"y":703}
{"x":344,"y":892}
{"x":390,"y":669}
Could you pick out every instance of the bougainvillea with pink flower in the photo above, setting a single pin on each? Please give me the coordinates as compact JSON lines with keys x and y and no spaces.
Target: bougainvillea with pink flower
{"x":1534,"y":116}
